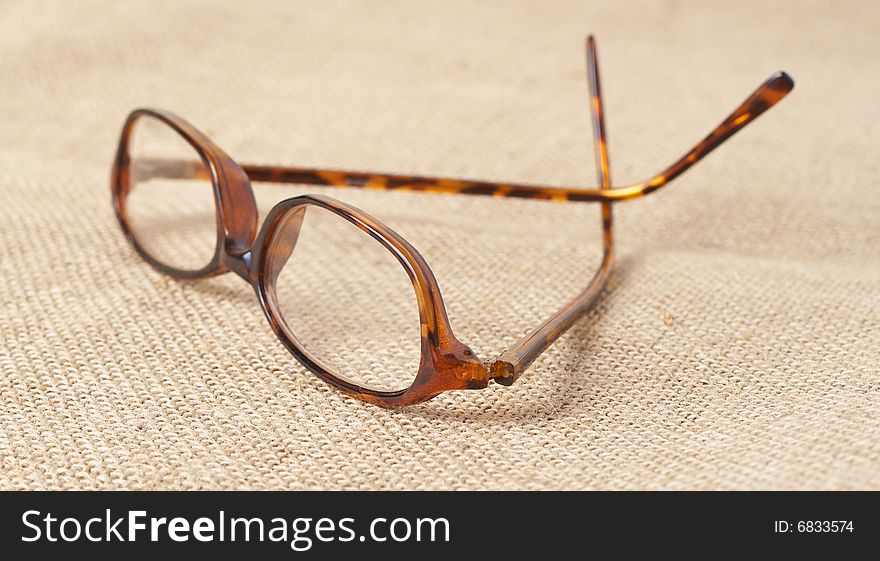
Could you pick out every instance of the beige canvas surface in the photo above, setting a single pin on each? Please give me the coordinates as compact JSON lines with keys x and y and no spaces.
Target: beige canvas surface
{"x":736,"y":348}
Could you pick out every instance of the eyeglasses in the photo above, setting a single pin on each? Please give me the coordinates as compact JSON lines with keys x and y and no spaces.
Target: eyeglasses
{"x":189,"y":210}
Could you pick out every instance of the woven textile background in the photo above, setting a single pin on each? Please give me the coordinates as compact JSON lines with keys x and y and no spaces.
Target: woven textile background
{"x":737,"y":346}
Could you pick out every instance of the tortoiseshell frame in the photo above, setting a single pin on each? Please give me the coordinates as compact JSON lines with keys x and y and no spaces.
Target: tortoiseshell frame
{"x":446,"y":363}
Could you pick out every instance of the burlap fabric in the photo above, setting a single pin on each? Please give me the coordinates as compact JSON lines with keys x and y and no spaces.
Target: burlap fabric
{"x":737,"y":346}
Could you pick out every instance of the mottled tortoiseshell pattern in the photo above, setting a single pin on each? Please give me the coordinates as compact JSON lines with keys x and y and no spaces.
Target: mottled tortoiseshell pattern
{"x":446,"y":363}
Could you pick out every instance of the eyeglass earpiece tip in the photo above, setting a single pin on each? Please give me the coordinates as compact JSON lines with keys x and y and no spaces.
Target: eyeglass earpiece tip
{"x":782,"y":80}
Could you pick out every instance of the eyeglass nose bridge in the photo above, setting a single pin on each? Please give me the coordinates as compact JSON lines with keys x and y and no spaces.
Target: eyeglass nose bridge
{"x":243,"y":264}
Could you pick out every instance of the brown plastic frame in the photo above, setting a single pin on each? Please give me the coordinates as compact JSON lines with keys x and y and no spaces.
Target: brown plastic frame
{"x":446,"y":363}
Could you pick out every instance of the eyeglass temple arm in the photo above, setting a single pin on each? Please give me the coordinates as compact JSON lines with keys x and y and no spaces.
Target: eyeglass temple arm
{"x":516,"y":359}
{"x":768,"y":94}
{"x":513,"y":362}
